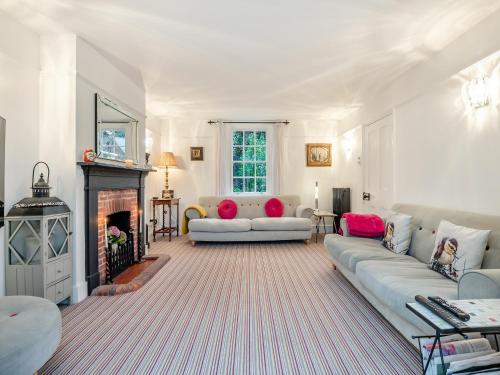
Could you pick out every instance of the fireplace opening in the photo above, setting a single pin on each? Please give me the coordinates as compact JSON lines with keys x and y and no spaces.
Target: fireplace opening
{"x":119,"y":244}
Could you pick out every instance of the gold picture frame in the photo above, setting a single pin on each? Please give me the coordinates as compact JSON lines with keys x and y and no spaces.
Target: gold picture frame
{"x":319,"y":154}
{"x":196,"y":153}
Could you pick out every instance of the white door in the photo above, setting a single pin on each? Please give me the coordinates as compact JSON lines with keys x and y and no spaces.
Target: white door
{"x":378,"y":162}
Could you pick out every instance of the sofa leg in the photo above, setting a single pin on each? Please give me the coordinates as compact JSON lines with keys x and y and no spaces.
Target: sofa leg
{"x":334,"y":267}
{"x":307,"y":242}
{"x":193,"y":243}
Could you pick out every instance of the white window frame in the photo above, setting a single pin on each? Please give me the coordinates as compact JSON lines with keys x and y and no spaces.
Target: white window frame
{"x":269,"y":129}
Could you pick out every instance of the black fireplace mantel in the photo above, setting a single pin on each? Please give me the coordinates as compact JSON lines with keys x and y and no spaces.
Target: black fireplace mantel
{"x":99,"y":177}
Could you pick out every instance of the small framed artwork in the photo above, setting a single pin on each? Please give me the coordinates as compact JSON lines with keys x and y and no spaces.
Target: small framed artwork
{"x":319,"y":154}
{"x":196,"y":153}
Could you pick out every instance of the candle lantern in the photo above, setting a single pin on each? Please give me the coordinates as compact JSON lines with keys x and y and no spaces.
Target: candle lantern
{"x":38,"y":244}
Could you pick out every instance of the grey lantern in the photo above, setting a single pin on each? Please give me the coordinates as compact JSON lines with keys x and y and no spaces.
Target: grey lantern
{"x":38,"y":244}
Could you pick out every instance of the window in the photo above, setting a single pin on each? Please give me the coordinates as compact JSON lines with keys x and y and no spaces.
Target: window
{"x":249,"y":161}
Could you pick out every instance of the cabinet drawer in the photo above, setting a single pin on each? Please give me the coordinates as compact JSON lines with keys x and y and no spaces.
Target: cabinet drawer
{"x":57,"y":270}
{"x":59,"y":291}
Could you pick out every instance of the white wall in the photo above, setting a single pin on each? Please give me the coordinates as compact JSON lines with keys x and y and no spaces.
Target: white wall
{"x":96,"y":73}
{"x":447,"y":153}
{"x":193,"y":179}
{"x":19,"y":100}
{"x":444,"y":153}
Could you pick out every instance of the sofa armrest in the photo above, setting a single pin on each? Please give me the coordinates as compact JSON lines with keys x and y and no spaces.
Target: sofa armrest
{"x":192,"y":213}
{"x":344,"y":228}
{"x":479,"y":284}
{"x":303,"y":211}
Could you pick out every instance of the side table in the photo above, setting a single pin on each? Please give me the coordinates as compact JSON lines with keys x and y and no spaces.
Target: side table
{"x":320,"y":216}
{"x":165,"y":203}
{"x":485,"y":319}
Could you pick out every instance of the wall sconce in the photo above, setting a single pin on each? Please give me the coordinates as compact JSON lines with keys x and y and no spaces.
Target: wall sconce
{"x":478,"y":92}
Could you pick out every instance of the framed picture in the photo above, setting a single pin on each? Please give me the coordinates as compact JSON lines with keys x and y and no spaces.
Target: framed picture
{"x":196,"y":153}
{"x":319,"y":154}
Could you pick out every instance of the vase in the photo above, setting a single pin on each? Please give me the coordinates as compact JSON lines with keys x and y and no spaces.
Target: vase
{"x":114,"y":247}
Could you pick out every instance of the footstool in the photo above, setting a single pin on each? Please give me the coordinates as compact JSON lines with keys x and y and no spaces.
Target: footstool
{"x":30,"y":331}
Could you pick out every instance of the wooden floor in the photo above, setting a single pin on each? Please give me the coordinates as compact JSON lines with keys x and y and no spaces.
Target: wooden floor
{"x":131,"y":272}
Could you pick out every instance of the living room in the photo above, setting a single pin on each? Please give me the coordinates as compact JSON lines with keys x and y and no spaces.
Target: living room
{"x":258,"y":137}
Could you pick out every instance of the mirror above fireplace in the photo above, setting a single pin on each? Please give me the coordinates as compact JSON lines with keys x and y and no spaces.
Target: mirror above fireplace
{"x":116,"y":131}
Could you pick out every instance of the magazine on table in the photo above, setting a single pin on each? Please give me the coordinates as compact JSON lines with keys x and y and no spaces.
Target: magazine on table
{"x":455,"y":344}
{"x":436,"y":367}
{"x":487,"y":364}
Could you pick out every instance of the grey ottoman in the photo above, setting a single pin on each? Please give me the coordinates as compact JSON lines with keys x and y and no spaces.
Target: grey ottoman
{"x":30,"y":331}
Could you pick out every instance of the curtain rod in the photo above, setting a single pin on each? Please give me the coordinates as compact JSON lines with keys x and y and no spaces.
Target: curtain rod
{"x":285,"y":122}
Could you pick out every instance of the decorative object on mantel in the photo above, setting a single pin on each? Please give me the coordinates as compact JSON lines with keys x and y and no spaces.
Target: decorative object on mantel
{"x":147,"y":158}
{"x":89,"y":155}
{"x":319,"y":154}
{"x":38,"y":242}
{"x":196,"y":153}
{"x":167,"y":159}
{"x":129,"y":162}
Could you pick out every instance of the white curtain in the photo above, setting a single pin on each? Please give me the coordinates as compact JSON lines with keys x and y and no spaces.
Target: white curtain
{"x":223,"y":159}
{"x":277,"y":155}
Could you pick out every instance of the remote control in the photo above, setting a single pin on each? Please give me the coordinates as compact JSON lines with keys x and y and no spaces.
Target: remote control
{"x":441,"y":312}
{"x":460,"y":314}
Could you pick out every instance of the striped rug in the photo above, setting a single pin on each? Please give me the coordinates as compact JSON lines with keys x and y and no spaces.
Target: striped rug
{"x":268,"y":308}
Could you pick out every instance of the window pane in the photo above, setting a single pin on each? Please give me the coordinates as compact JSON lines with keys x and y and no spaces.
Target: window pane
{"x":249,"y":169}
{"x":260,"y":153}
{"x":237,"y":185}
{"x":249,"y":153}
{"x":249,"y":138}
{"x":260,"y":138}
{"x":260,"y":169}
{"x":238,"y":153}
{"x":250,"y":185}
{"x":238,"y":138}
{"x":261,"y":185}
{"x":238,"y":170}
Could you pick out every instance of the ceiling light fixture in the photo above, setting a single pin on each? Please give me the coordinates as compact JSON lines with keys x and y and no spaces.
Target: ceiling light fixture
{"x":478,"y":92}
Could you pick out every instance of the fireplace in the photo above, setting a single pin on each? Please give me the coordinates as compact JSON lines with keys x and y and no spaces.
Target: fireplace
{"x":115,"y":194}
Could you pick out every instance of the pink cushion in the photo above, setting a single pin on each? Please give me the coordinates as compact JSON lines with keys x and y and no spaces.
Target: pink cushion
{"x":274,"y":207}
{"x":227,"y":209}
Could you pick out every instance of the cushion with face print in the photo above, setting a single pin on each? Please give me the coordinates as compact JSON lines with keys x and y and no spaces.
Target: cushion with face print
{"x":397,"y":234}
{"x":458,"y":249}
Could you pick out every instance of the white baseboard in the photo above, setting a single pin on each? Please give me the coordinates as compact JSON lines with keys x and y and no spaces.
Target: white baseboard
{"x":79,"y":292}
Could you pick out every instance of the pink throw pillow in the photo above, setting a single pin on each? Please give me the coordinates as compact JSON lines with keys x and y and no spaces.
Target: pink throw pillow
{"x":227,"y":209}
{"x":274,"y":207}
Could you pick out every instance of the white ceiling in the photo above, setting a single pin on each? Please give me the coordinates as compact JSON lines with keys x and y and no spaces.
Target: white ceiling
{"x":261,"y":58}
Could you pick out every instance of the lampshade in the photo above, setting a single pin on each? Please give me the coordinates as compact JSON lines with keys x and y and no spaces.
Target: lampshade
{"x":167,"y":159}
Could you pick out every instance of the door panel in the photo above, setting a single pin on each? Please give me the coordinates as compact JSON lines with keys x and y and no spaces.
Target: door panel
{"x":379,"y":165}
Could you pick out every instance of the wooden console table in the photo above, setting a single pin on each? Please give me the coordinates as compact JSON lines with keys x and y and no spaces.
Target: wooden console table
{"x":164,"y":203}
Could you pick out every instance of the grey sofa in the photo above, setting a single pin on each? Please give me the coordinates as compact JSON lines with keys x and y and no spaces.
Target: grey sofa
{"x":388,"y":280}
{"x":251,"y":223}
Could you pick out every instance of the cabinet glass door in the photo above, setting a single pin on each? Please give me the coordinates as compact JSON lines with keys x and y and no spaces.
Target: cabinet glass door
{"x":25,"y":242}
{"x":58,"y":236}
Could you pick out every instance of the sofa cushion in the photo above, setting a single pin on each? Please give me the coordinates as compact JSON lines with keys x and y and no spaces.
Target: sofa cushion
{"x":395,"y":284}
{"x":274,"y":208}
{"x":337,"y":244}
{"x":352,"y":257}
{"x":281,"y":223}
{"x":227,"y":209}
{"x":219,"y":225}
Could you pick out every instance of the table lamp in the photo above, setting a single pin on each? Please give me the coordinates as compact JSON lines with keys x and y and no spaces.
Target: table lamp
{"x":167,"y":159}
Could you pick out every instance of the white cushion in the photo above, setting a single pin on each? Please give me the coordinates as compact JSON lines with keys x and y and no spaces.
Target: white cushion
{"x":397,"y":235}
{"x":281,"y":223}
{"x":219,"y":225}
{"x":458,"y":249}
